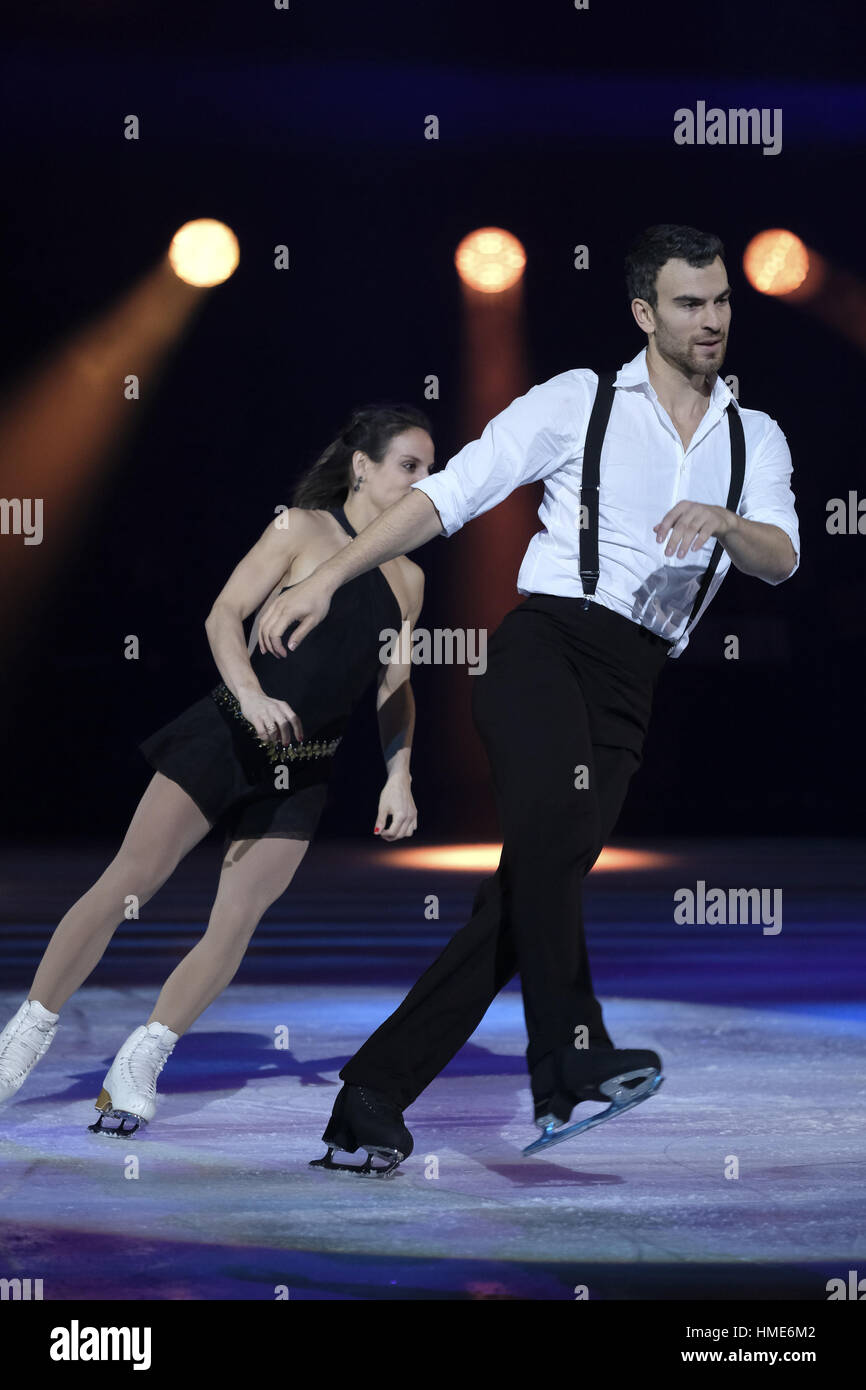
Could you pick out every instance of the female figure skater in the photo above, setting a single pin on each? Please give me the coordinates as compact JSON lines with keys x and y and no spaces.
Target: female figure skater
{"x":257,"y":750}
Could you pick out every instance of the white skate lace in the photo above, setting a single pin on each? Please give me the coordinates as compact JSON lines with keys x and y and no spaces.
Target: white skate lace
{"x":144,"y":1065}
{"x":22,"y":1049}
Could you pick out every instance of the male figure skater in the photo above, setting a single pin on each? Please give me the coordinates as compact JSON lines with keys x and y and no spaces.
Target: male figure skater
{"x":655,"y":482}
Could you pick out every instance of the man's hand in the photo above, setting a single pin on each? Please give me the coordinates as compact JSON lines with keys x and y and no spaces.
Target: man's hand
{"x":306,"y":603}
{"x":396,"y":802}
{"x":691,"y":525}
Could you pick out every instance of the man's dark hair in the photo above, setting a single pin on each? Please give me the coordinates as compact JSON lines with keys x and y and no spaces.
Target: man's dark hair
{"x":662,"y":243}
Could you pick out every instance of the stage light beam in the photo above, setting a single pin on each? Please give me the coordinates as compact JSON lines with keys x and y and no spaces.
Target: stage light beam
{"x":62,"y":421}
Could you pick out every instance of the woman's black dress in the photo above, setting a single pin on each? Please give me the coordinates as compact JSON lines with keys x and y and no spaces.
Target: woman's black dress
{"x":215,"y":754}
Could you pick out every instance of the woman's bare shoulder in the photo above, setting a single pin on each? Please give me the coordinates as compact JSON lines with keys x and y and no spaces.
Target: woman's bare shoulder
{"x":309,"y":519}
{"x":310,"y":528}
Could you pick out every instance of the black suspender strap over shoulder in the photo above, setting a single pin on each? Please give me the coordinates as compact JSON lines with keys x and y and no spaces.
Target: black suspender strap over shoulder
{"x":589,"y":489}
{"x":738,"y":473}
{"x":589,"y":482}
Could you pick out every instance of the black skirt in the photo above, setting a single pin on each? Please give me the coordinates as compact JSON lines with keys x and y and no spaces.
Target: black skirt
{"x":216,"y":760}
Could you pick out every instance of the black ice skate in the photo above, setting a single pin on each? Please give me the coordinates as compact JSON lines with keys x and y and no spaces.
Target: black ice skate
{"x":622,"y":1076}
{"x":366,"y":1119}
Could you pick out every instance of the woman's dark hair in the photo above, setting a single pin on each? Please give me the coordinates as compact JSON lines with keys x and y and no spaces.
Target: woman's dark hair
{"x":371,"y":428}
{"x":662,"y":243}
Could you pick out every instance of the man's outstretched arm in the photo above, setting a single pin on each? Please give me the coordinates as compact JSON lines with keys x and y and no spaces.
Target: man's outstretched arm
{"x":404,"y":526}
{"x":525,"y":442}
{"x":407,"y":524}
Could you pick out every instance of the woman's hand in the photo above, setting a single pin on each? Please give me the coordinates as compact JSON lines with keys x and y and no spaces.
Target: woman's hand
{"x":396,"y":802}
{"x":272,"y":719}
{"x":306,"y":603}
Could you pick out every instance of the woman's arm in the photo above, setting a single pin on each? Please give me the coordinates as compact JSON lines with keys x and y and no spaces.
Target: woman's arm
{"x":249,"y":584}
{"x":395,"y":705}
{"x":396,"y":727}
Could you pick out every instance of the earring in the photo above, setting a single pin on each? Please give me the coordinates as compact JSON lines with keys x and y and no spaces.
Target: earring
{"x":358,"y":482}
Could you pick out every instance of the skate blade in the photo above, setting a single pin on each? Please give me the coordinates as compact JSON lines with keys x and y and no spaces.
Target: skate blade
{"x":362,"y":1170}
{"x":119,"y":1131}
{"x":106,"y":1112}
{"x":621,"y":1099}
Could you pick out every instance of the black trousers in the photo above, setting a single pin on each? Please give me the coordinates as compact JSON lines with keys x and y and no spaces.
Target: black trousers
{"x":562,"y":709}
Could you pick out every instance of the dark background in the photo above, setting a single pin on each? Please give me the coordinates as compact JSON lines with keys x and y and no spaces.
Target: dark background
{"x":306,"y":127}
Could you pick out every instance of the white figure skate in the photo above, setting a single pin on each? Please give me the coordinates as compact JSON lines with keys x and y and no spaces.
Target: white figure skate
{"x":128,"y":1092}
{"x":25,"y":1039}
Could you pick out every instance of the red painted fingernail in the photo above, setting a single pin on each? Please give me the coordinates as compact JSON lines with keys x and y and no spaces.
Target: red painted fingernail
{"x":376,"y":831}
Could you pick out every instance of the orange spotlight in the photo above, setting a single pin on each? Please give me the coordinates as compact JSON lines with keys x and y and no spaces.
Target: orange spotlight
{"x":490,"y":260}
{"x":204,"y":252}
{"x":485,"y":859}
{"x":62,"y":421}
{"x":776,"y":262}
{"x":486,"y":557}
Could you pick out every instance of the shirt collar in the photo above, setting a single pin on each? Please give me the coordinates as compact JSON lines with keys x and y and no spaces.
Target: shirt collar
{"x":634,"y":373}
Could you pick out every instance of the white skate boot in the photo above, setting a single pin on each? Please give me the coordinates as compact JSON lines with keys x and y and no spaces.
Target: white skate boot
{"x":129,"y":1090}
{"x":23,"y":1041}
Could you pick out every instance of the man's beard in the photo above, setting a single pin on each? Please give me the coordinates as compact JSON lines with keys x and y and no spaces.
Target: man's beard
{"x":691,"y":360}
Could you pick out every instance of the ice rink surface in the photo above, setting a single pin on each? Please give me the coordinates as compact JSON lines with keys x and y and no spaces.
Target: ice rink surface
{"x":742,"y":1177}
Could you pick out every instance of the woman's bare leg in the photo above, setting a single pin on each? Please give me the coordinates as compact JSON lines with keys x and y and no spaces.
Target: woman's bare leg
{"x":254,"y":874}
{"x":165,"y":826}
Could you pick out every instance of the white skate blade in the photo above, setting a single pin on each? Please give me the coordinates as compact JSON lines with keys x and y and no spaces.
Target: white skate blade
{"x":621,"y":1100}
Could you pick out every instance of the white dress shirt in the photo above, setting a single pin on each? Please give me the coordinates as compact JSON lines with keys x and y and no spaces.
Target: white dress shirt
{"x":644,"y":471}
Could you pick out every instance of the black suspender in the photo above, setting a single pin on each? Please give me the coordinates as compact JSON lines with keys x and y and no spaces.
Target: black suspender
{"x":595,"y":430}
{"x":589,"y":486}
{"x":738,"y":472}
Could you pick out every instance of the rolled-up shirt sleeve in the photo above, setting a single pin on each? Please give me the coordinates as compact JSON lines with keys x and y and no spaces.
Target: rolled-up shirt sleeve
{"x":527,"y":441}
{"x":767,"y":494}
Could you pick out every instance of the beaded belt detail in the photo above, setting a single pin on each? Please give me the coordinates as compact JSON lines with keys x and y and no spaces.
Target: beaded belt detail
{"x":277,"y":751}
